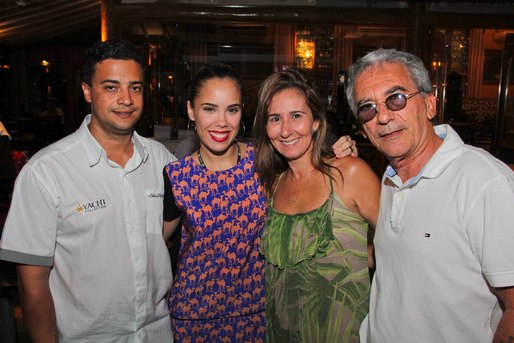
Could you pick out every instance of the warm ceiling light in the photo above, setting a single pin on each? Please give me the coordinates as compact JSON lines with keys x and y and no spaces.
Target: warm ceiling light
{"x":305,"y":50}
{"x":45,"y":63}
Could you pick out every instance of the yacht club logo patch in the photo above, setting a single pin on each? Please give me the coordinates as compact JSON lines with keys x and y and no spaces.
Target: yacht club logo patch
{"x":90,"y":206}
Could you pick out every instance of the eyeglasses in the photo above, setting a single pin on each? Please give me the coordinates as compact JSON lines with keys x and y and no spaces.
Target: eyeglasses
{"x":393,"y":102}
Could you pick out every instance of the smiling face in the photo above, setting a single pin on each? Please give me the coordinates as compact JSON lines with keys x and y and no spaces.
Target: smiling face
{"x":400,"y":135}
{"x":290,"y":124}
{"x":116,"y":97}
{"x":216,"y":111}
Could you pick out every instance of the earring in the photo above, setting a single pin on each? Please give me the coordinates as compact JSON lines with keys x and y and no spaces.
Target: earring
{"x":244,"y":130}
{"x":191,"y":125}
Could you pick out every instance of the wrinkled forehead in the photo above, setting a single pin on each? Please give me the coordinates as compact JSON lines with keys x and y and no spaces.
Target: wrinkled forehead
{"x":382,"y":77}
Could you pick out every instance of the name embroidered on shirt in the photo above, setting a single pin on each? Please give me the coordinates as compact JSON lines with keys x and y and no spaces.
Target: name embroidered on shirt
{"x":156,"y":195}
{"x":90,"y":206}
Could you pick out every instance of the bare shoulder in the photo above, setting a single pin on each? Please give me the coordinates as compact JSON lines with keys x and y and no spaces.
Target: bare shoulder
{"x":354,"y":177}
{"x":358,"y":186}
{"x":351,"y":166}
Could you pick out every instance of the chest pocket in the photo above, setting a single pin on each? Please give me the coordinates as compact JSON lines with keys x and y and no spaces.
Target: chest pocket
{"x":154,"y":208}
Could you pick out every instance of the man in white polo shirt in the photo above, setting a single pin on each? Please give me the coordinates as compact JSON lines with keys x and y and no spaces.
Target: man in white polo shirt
{"x":445,"y":231}
{"x":85,"y":223}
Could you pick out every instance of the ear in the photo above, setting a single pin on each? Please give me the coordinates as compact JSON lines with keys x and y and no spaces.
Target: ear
{"x":431,"y":103}
{"x":190,"y":112}
{"x":315,"y":126}
{"x":87,"y":92}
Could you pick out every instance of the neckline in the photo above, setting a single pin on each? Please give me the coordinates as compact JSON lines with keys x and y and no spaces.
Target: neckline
{"x":202,"y":163}
{"x":272,"y":204}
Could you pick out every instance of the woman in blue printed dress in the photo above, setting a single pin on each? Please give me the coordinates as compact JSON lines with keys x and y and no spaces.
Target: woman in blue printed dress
{"x":218,"y":293}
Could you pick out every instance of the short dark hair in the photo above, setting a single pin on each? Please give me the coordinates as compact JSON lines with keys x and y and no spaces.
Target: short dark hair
{"x":114,"y":49}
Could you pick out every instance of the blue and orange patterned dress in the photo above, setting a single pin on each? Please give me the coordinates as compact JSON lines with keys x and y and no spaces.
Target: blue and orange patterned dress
{"x":218,"y":294}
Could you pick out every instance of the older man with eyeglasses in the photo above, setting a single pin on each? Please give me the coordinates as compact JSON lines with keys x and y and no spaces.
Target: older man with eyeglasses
{"x":444,"y":237}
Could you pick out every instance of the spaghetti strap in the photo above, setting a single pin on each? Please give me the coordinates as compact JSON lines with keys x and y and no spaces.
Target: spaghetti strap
{"x":318,"y":258}
{"x":275,"y":190}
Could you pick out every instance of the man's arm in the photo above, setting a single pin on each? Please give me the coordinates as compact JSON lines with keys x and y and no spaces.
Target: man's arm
{"x":505,"y":331}
{"x":37,"y":303}
{"x":345,"y":146}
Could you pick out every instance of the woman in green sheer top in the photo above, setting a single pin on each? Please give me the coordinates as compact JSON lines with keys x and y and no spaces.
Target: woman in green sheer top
{"x":319,"y":208}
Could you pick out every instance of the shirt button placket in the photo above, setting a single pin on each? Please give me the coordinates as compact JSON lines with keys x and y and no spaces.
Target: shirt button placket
{"x":136,"y":239}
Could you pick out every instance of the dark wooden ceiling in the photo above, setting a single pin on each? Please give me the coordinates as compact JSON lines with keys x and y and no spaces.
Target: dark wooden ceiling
{"x":66,"y":22}
{"x":77,"y":22}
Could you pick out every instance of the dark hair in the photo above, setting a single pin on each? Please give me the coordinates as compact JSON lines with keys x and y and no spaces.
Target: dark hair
{"x":210,"y":71}
{"x":412,"y":63}
{"x":268,"y":162}
{"x":114,"y":49}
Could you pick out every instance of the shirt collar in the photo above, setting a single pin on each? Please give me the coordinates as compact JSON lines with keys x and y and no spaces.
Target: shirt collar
{"x":94,"y":150}
{"x":442,"y":158}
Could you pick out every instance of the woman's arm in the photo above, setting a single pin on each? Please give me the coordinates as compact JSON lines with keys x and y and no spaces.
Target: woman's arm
{"x":359,"y":188}
{"x":169,"y":227}
{"x":360,"y":191}
{"x":171,"y":213}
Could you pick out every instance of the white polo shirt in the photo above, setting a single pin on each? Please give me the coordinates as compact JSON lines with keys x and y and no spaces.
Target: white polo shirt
{"x":100,"y":227}
{"x":441,"y":238}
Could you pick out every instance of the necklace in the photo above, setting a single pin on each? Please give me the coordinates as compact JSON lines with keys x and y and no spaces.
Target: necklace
{"x":202,"y":163}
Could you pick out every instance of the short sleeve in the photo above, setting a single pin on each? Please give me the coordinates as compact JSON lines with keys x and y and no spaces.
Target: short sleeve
{"x":171,"y":210}
{"x":29,"y":234}
{"x":491,"y":230}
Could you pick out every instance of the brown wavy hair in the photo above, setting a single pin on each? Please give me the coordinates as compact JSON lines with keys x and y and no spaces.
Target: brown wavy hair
{"x":268,"y":162}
